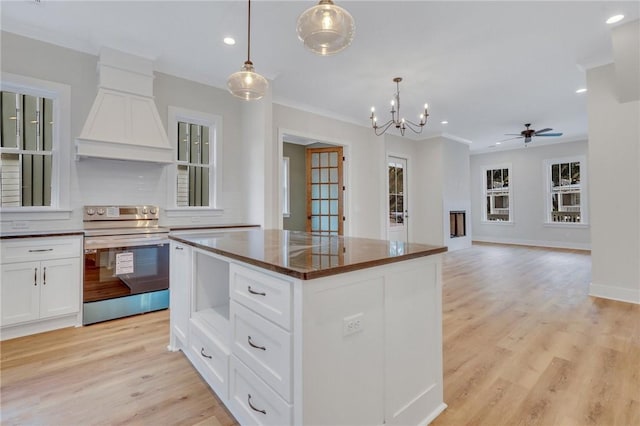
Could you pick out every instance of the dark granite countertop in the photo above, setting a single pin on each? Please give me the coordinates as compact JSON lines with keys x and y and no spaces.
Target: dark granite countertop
{"x":197,"y":226}
{"x":303,"y":255}
{"x":40,"y":234}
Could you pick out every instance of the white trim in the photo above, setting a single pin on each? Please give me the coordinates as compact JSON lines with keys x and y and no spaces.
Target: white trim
{"x":61,"y":153}
{"x":286,"y":188}
{"x":584,"y":190}
{"x":214,"y":123}
{"x":483,"y":217}
{"x":622,"y":294}
{"x":535,"y":243}
{"x":386,"y":212}
{"x":496,"y":222}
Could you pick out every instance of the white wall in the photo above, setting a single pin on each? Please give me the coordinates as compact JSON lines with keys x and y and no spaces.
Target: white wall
{"x":428,"y":197}
{"x":528,"y":198}
{"x":127,"y":182}
{"x":456,"y":190}
{"x":614,"y":136}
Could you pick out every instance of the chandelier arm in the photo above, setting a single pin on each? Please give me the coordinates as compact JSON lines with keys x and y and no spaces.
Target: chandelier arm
{"x":249,"y":32}
{"x":411,"y":125}
{"x":384,"y":128}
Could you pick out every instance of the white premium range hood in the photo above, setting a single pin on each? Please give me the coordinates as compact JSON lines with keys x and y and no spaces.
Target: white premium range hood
{"x":123,"y":123}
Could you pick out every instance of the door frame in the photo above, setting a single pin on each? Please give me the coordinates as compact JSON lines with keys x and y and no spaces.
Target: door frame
{"x":407,"y":201}
{"x":346,"y":172}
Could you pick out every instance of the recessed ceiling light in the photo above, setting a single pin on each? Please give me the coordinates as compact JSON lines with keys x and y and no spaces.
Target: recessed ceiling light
{"x":444,"y":122}
{"x":498,"y":143}
{"x":229,"y":41}
{"x":582,"y":90}
{"x":615,"y":18}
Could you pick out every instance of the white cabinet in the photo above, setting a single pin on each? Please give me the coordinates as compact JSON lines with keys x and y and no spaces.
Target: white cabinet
{"x":180,"y":270}
{"x":281,"y":351}
{"x":41,"y":281}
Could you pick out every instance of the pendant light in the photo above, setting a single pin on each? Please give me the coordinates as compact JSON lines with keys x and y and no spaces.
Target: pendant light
{"x":247,"y":84}
{"x":326,"y":29}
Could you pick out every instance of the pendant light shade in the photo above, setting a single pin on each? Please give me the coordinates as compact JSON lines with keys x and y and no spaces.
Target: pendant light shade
{"x":326,"y":29}
{"x":247,"y":84}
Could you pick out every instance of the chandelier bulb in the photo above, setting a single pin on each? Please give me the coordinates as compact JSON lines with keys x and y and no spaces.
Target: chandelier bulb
{"x":373,"y":109}
{"x":426,"y":106}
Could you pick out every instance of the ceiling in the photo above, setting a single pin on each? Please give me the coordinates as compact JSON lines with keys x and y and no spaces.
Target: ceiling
{"x":485,"y":67}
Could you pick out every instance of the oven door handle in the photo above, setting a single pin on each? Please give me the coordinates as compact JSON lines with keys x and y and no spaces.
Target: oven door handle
{"x":102,"y":242}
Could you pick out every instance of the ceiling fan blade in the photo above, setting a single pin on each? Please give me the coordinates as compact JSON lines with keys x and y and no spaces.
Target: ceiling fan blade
{"x":550,"y":134}
{"x":510,"y":139}
{"x":543,"y":131}
{"x":513,"y":134}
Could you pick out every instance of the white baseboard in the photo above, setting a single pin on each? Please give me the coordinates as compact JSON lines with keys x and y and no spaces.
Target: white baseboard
{"x":622,"y":294}
{"x":537,"y":243}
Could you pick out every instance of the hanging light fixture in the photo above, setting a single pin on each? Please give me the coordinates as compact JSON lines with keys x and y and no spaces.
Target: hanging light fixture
{"x":325,"y":28}
{"x":397,"y":121}
{"x":246,"y":83}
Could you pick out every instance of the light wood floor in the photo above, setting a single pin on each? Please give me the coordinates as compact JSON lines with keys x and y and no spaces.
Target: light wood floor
{"x":523,"y":344}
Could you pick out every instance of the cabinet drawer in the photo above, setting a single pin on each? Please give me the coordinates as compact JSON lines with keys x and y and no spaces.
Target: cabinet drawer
{"x":28,"y":249}
{"x":262,"y":293}
{"x":263,"y":347}
{"x":211,"y":359}
{"x":253,"y":401}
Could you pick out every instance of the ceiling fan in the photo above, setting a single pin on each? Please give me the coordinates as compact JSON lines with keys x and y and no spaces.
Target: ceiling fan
{"x":528,"y":133}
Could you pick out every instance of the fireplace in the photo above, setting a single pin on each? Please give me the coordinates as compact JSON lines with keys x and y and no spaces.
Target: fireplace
{"x":457,"y":223}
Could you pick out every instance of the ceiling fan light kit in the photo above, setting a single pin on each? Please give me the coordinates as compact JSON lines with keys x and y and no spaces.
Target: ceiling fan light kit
{"x":397,"y":120}
{"x":325,"y":28}
{"x":247,"y":84}
{"x":528,"y":133}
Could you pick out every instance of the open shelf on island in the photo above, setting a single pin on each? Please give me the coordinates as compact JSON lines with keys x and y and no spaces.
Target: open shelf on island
{"x":211,"y":295}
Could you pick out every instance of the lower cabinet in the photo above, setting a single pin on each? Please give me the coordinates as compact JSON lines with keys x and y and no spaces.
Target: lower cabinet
{"x":363,"y":347}
{"x":40,"y":294}
{"x":253,"y":401}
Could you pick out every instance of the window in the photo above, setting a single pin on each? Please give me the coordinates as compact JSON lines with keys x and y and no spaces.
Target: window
{"x":497,"y":194}
{"x":565,"y":193}
{"x":286,"y":197}
{"x":396,"y":193}
{"x":194,"y":180}
{"x":34,"y":119}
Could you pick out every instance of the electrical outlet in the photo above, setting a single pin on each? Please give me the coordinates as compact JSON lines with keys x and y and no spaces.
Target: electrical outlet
{"x":352,"y":324}
{"x":19,"y":224}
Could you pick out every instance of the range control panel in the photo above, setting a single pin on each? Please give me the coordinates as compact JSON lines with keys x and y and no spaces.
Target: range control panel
{"x":93,"y":213}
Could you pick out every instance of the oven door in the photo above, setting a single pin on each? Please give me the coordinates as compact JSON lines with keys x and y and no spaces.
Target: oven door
{"x":115,"y":270}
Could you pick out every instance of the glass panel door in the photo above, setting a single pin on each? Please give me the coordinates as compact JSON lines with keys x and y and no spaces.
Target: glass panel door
{"x":324,"y":190}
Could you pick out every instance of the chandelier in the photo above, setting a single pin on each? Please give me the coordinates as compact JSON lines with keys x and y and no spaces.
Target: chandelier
{"x":247,"y":84}
{"x":399,"y":123}
{"x":325,"y":28}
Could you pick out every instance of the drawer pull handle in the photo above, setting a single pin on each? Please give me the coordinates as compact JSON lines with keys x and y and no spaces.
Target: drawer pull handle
{"x":254,"y":408}
{"x":39,"y":250}
{"x":44,"y":276}
{"x":35,"y":276}
{"x":253,"y":345}
{"x":205,"y":355}
{"x":179,"y":248}
{"x":255,"y":292}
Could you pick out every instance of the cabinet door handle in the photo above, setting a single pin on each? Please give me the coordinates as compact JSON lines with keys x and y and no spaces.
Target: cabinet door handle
{"x":39,"y":250}
{"x":252,"y":407}
{"x":44,"y":276}
{"x":255,"y":292}
{"x":35,"y":276}
{"x":179,"y":248}
{"x":253,"y":345}
{"x":205,"y":355}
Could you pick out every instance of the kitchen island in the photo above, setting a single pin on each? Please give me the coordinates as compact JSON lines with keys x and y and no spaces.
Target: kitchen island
{"x":296,"y":328}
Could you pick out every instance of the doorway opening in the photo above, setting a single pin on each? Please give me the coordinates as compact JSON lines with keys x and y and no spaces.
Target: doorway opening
{"x":313,"y":185}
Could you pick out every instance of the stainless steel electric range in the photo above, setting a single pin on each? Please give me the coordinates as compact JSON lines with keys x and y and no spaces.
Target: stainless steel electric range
{"x":126,"y":262}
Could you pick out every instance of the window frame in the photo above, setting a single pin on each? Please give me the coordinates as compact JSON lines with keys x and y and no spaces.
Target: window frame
{"x":61,"y":143}
{"x":214,"y":123}
{"x":485,"y":194}
{"x":547,"y":191}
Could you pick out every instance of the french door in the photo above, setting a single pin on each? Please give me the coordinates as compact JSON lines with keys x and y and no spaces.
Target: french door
{"x":325,"y":190}
{"x":397,"y":227}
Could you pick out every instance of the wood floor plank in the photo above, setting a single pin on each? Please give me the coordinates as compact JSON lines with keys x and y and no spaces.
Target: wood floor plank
{"x":523,"y":344}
